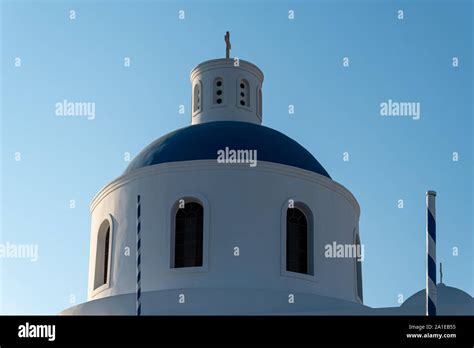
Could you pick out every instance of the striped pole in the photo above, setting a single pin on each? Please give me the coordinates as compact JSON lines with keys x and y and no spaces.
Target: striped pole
{"x":430,"y":253}
{"x":139,"y":274}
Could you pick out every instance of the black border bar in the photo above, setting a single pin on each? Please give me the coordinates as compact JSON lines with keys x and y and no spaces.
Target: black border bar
{"x":290,"y":330}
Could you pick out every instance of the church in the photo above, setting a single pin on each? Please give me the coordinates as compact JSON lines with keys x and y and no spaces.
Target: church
{"x":206,"y":234}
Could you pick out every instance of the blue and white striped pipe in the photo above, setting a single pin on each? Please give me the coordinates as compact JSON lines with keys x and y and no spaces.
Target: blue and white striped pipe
{"x":139,"y":275}
{"x":431,"y":297}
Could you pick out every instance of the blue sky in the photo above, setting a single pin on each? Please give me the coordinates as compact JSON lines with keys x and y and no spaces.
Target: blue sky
{"x":337,"y":110}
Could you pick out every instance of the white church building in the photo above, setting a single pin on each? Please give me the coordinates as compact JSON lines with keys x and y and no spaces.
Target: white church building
{"x":234,"y":217}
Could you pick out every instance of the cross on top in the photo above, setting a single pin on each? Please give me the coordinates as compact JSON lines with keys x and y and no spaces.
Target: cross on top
{"x":227,"y":44}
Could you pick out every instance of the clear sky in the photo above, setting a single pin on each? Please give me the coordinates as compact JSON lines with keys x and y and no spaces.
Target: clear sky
{"x":337,"y":110}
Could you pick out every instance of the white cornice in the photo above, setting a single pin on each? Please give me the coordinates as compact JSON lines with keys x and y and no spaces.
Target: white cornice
{"x":193,"y":166}
{"x":226,"y":63}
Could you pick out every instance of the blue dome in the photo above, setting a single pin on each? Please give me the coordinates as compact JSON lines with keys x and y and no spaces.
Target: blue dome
{"x":202,"y":141}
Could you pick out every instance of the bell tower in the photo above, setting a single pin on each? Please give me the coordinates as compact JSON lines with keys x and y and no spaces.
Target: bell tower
{"x":226,"y":89}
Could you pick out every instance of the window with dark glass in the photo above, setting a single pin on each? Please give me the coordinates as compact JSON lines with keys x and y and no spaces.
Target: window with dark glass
{"x":296,"y":241}
{"x":101,"y":275}
{"x":259,"y":102}
{"x":359,"y":270}
{"x":188,"y":236}
{"x":197,"y":97}
{"x":106,"y":255}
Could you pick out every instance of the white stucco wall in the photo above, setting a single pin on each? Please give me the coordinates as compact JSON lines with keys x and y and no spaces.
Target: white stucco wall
{"x":243,"y":207}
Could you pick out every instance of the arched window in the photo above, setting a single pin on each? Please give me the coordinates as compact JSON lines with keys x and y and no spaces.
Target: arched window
{"x":188,"y":238}
{"x":243,"y":98}
{"x":297,"y":241}
{"x":218,"y":91}
{"x":102,"y":260}
{"x":358,"y":269}
{"x":197,"y":97}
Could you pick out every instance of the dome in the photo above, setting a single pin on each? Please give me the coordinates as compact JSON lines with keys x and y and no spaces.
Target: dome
{"x":450,"y":300}
{"x":202,"y":141}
